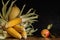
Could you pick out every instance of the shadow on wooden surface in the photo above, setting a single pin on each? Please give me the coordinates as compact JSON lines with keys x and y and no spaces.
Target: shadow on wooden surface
{"x":34,"y":38}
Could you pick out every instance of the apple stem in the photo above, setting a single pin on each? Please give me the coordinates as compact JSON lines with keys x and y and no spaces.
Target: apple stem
{"x":49,"y":26}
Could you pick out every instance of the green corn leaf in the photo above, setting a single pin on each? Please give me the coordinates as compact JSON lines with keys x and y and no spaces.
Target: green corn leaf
{"x":1,"y":31}
{"x":3,"y":36}
{"x":29,"y":18}
{"x":2,"y":20}
{"x":22,"y":10}
{"x":1,"y":16}
{"x":32,"y":21}
{"x":28,"y":14}
{"x":30,"y":31}
{"x":29,"y":10}
{"x":4,"y":8}
{"x":9,"y":10}
{"x":53,"y":36}
{"x":2,"y":2}
{"x":34,"y":17}
{"x":29,"y":34}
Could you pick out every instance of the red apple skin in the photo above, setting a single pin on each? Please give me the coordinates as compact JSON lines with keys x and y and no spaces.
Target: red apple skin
{"x":45,"y":33}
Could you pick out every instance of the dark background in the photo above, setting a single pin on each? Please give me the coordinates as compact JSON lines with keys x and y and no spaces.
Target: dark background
{"x":48,"y":13}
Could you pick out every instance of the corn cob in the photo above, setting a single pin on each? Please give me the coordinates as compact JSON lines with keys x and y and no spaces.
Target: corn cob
{"x":24,"y":34}
{"x":19,"y":28}
{"x":13,"y":22}
{"x":14,"y":12}
{"x":14,"y":33}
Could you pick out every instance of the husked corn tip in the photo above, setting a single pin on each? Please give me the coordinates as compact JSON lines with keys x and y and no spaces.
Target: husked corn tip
{"x":13,"y":22}
{"x":24,"y":34}
{"x":14,"y":33}
{"x":19,"y":28}
{"x":14,"y":12}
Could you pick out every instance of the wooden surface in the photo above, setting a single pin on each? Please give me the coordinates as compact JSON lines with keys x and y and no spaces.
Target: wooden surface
{"x":34,"y":38}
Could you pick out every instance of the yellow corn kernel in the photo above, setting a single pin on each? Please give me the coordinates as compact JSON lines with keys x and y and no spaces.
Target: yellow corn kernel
{"x":14,"y":33}
{"x":13,"y":22}
{"x":14,"y":12}
{"x":19,"y":28}
{"x":24,"y":34}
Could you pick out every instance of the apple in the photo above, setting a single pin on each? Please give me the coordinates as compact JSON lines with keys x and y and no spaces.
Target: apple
{"x":45,"y":33}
